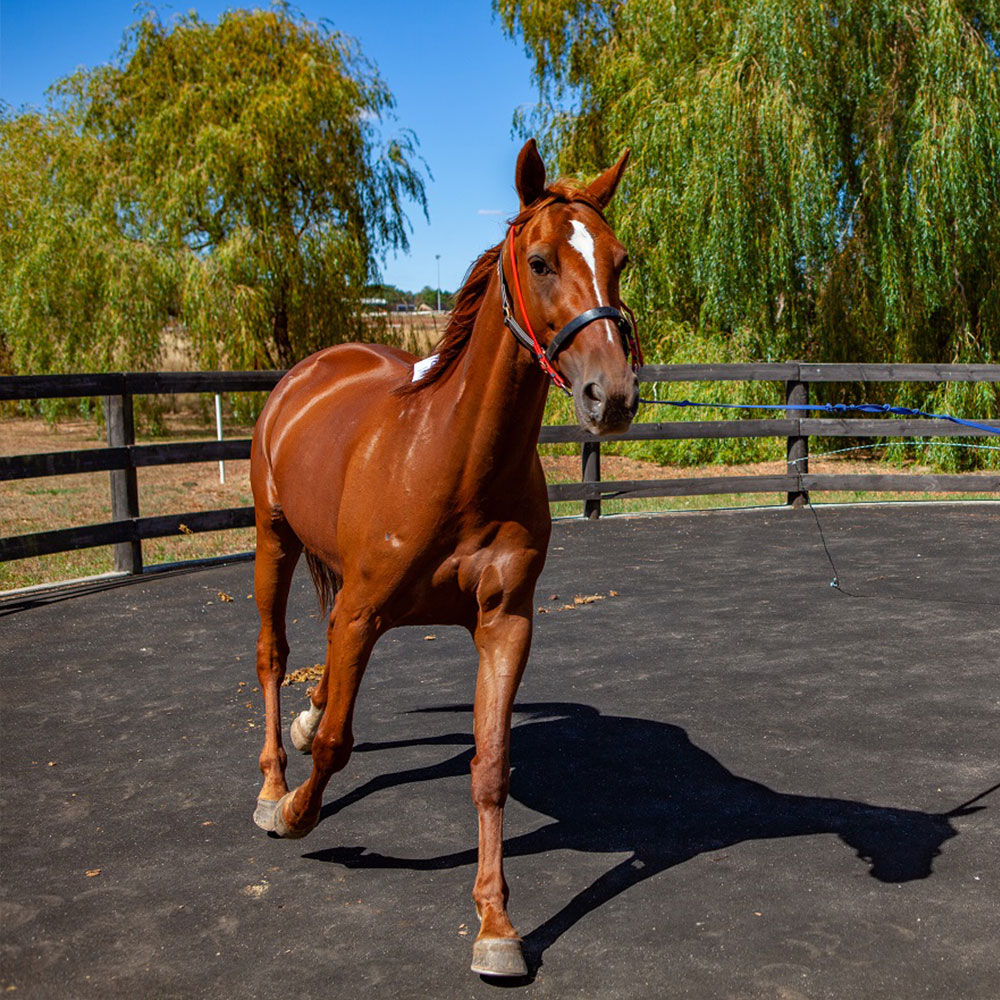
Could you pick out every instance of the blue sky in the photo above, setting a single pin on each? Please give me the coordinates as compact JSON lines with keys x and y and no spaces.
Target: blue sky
{"x":456,"y":78}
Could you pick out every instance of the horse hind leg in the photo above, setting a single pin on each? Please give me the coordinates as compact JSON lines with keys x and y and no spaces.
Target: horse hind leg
{"x":351,"y":635}
{"x":306,"y":723}
{"x":278,"y":550}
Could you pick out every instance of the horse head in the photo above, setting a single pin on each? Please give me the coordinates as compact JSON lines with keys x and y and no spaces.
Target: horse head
{"x":565,"y":266}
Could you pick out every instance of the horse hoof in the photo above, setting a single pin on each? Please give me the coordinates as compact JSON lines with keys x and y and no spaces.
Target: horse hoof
{"x":263,"y":815}
{"x":302,"y":738}
{"x":498,"y":957}
{"x":281,"y":828}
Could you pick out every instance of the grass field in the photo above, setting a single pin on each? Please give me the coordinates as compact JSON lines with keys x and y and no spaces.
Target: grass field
{"x":63,"y":501}
{"x":28,"y":505}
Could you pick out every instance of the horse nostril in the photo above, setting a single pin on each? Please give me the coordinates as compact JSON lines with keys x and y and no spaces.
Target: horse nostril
{"x":595,"y":398}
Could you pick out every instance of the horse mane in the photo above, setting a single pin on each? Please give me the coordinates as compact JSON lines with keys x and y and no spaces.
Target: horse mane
{"x":457,"y":333}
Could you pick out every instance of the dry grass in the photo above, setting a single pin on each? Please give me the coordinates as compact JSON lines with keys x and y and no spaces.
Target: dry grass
{"x":62,"y":501}
{"x":416,"y":332}
{"x":29,"y":505}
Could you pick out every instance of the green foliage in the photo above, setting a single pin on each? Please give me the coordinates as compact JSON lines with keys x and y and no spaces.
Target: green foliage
{"x":78,"y":292}
{"x":429,"y":297}
{"x":393,"y":296}
{"x":227,"y":181}
{"x":808,"y":180}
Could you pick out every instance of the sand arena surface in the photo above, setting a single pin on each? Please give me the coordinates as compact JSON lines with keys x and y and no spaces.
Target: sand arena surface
{"x":730,"y":779}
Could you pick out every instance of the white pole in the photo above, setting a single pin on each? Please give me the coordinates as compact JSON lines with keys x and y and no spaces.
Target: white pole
{"x":218,"y":428}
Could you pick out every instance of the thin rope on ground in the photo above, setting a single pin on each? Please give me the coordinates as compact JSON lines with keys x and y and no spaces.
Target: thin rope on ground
{"x":839,"y":408}
{"x":835,"y":582}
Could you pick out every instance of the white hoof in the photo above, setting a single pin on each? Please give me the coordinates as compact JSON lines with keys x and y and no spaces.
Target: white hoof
{"x":263,"y":815}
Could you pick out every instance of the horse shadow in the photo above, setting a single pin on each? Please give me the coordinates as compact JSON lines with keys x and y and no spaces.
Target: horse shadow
{"x":613,"y":784}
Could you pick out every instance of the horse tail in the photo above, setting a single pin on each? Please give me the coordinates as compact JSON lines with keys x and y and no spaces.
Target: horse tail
{"x":324,"y":580}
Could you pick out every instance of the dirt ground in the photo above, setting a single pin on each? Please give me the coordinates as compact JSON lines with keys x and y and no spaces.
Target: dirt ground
{"x":730,"y":779}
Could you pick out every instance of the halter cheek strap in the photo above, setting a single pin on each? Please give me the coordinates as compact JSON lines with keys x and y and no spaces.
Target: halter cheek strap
{"x":546,"y":356}
{"x":527,"y":339}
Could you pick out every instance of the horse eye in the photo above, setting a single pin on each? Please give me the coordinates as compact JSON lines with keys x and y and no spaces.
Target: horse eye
{"x":538,"y":266}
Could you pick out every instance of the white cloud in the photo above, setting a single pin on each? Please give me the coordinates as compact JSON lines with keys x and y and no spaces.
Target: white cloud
{"x":489,"y":211}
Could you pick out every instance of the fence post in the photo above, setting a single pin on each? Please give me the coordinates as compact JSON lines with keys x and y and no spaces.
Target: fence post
{"x":797,"y":394}
{"x":124,"y":485}
{"x":591,"y":460}
{"x":218,"y":431}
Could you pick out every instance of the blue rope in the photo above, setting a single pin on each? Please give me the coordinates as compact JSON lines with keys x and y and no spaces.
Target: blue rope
{"x":833,"y":408}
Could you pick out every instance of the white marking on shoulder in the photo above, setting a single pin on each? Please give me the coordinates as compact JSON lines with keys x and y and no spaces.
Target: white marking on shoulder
{"x":421,"y":368}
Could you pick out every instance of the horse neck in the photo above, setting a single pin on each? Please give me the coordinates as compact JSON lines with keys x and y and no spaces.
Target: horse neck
{"x":497,"y":393}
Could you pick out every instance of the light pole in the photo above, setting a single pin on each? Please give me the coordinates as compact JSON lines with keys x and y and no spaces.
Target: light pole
{"x":437,"y":257}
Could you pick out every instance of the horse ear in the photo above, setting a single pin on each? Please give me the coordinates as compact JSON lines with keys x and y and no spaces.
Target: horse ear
{"x":603,"y":189}
{"x":529,"y":175}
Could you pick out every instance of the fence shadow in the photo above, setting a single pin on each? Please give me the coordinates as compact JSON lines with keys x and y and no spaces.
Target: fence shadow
{"x":613,"y":784}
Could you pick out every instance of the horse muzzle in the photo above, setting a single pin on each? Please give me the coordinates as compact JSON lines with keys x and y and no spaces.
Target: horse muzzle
{"x":607,"y":404}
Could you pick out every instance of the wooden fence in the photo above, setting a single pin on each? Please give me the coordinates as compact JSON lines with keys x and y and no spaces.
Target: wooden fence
{"x":127,"y":529}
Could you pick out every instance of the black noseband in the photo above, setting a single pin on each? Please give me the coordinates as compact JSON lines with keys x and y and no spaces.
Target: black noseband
{"x":562,"y":338}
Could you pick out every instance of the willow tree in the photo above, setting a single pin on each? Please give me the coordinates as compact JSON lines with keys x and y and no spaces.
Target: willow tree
{"x":808,"y":178}
{"x":239,"y":169}
{"x":77,"y":291}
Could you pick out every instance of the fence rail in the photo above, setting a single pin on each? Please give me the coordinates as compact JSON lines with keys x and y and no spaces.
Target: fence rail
{"x":127,"y":529}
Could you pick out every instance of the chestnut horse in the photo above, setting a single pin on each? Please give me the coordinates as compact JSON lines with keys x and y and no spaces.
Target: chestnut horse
{"x":416,"y":491}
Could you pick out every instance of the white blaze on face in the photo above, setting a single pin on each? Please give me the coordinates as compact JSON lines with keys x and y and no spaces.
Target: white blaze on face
{"x":583,"y":243}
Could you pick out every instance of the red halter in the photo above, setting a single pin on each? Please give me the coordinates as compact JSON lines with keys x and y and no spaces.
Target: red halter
{"x":537,"y":348}
{"x":545,"y":356}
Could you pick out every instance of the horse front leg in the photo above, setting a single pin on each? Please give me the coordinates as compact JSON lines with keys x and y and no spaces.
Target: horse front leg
{"x":503,"y":639}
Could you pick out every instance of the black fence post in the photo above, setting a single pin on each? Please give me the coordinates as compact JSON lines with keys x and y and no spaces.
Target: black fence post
{"x":591,"y":460}
{"x":797,"y":394}
{"x":124,"y":484}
